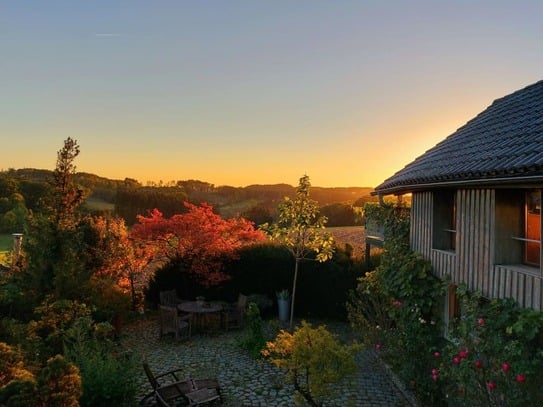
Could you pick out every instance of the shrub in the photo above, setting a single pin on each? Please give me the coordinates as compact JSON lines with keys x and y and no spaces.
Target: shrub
{"x":395,"y":307}
{"x":254,"y":341}
{"x":58,"y":322}
{"x":59,"y":383}
{"x":496,"y":356}
{"x":314,"y":360}
{"x":56,"y":384}
{"x":108,"y":379}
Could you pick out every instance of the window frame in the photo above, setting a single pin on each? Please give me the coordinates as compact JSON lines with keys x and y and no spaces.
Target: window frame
{"x":444,"y":220}
{"x":511,"y":224}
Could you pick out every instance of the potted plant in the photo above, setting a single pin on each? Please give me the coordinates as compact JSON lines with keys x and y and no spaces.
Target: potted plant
{"x":283,"y":304}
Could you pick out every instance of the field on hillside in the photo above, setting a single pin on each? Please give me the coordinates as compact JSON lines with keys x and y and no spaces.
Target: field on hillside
{"x":99,"y":205}
{"x":6,"y":244}
{"x":353,"y":235}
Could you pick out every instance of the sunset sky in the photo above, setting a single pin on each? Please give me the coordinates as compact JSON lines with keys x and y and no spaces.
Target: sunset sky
{"x":254,"y":92}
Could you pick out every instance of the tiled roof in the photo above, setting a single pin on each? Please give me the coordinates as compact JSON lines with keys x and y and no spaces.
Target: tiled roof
{"x":504,"y":141}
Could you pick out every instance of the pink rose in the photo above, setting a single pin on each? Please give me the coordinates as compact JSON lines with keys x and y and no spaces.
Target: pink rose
{"x":478,"y":364}
{"x":377,"y":346}
{"x":506,"y":367}
{"x":456,"y":360}
{"x":434,"y":377}
{"x":491,"y":385}
{"x":435,"y":371}
{"x":481,"y":321}
{"x":521,"y":378}
{"x":437,"y":354}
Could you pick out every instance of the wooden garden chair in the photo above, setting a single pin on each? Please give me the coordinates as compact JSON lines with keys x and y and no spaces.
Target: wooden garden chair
{"x":169,"y":389}
{"x":172,"y":322}
{"x":169,"y":298}
{"x":234,"y":314}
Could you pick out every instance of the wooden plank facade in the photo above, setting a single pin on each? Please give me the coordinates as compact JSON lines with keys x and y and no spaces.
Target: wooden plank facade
{"x":481,"y":254}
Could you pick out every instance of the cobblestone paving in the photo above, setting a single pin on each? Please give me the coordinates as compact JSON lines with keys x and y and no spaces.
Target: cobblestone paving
{"x":247,"y":382}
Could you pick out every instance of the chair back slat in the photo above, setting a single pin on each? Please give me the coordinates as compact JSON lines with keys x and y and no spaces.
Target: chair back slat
{"x":242,"y":302}
{"x":168,"y":298}
{"x":150,"y":375}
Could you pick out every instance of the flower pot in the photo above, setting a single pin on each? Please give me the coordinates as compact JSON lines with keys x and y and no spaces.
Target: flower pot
{"x":284,"y":308}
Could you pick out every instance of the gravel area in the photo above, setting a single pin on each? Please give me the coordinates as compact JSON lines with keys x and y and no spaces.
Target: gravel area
{"x":246,"y":381}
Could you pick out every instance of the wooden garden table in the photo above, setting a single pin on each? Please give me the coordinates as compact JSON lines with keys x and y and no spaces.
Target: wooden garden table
{"x":200,"y":312}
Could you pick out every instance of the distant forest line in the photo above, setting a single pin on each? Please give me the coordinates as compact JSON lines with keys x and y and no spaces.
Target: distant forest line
{"x":22,"y":189}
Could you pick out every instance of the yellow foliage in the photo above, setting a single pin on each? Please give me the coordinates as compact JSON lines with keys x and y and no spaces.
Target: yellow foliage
{"x":313,"y":358}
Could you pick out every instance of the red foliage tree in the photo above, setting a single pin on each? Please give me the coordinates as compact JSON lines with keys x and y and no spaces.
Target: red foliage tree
{"x":201,"y":239}
{"x":116,"y":256}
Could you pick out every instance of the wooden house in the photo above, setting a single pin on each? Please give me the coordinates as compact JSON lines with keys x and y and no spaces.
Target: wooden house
{"x":476,"y":201}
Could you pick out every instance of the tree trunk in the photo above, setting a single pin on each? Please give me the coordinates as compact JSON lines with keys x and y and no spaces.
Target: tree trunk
{"x":293,"y":294}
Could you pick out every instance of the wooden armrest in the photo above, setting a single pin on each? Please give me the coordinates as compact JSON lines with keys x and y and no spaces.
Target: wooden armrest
{"x":173,"y":373}
{"x":202,"y":396}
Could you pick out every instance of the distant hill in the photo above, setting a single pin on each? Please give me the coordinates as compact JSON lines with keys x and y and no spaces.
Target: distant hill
{"x":128,"y":197}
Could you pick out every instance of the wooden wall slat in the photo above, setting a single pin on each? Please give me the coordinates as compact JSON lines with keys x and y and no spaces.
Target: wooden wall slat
{"x":472,"y":262}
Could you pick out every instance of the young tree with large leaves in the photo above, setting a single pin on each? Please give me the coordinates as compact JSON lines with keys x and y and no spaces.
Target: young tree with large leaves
{"x":301,"y":230}
{"x":200,"y":239}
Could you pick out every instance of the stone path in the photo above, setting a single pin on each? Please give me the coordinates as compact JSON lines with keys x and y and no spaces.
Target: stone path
{"x":247,"y":382}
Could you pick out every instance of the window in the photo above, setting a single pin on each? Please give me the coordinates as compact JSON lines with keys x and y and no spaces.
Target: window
{"x":518,"y":227}
{"x":444,"y":236}
{"x":532,"y":243}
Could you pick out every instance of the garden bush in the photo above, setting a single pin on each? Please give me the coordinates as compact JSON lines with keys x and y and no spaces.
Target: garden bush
{"x":495,"y":356}
{"x":254,"y":340}
{"x":315,"y":361}
{"x":262,"y":270}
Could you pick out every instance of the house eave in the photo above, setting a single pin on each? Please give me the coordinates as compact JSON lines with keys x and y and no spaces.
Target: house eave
{"x":526,"y":181}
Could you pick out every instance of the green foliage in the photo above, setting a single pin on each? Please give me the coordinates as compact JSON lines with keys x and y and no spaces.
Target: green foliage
{"x":11,"y":364}
{"x":314,"y":361}
{"x":59,"y":322}
{"x":65,"y":196}
{"x":254,"y":341}
{"x":6,"y":242}
{"x":397,"y":306}
{"x":18,"y":385}
{"x":132,"y":201}
{"x":368,"y":309}
{"x":59,"y":383}
{"x":300,"y":229}
{"x":53,"y":243}
{"x":496,"y":355}
{"x":283,"y":294}
{"x":21,"y":392}
{"x":394,"y":217}
{"x":258,"y":214}
{"x":108,"y":377}
{"x":404,"y":275}
{"x":340,"y":214}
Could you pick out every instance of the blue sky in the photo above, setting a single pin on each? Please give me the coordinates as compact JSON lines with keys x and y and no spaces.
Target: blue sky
{"x":244,"y":92}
